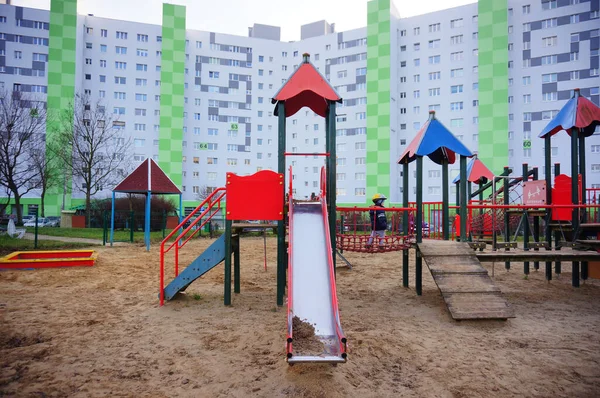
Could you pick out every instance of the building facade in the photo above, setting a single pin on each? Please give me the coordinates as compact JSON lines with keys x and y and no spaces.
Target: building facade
{"x":199,"y":102}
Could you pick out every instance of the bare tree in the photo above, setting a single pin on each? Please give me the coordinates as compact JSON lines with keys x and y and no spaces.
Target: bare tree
{"x":204,"y":192}
{"x":22,"y":127}
{"x":97,"y":147}
{"x":48,"y":171}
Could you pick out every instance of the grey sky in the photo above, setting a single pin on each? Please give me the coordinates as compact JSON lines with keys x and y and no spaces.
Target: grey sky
{"x":235,"y":16}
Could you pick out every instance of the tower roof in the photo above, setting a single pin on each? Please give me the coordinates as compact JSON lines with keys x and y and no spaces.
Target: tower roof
{"x":147,"y":177}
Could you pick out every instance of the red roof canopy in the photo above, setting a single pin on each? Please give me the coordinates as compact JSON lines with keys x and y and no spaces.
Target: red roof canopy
{"x":306,"y":87}
{"x":148,"y":177}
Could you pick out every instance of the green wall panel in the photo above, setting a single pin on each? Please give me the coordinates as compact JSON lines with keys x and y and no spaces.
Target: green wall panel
{"x":170,"y":150}
{"x":61,"y":83}
{"x":378,"y":98}
{"x":493,"y":83}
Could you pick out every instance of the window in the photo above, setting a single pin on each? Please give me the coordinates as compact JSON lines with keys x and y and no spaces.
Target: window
{"x":142,"y":52}
{"x":417,"y":94}
{"x":434,"y":43}
{"x":103,"y":63}
{"x":359,"y":191}
{"x":141,"y":67}
{"x":435,"y":75}
{"x":549,"y":60}
{"x":139,"y":127}
{"x":141,"y":82}
{"x":574,"y":56}
{"x":526,"y":9}
{"x":457,"y":56}
{"x":435,"y":107}
{"x":456,"y":72}
{"x":122,"y":35}
{"x":103,"y":48}
{"x":456,"y":122}
{"x":103,"y":32}
{"x":549,"y":23}
{"x":141,"y":97}
{"x":120,"y":65}
{"x":434,"y":92}
{"x":527,"y":98}
{"x":119,"y":110}
{"x":549,"y":78}
{"x":435,"y":59}
{"x":416,"y":125}
{"x":526,"y":152}
{"x":475,"y":102}
{"x":456,"y":106}
{"x":456,"y":39}
{"x":403,"y":33}
{"x":456,"y":23}
{"x":456,"y":89}
{"x":360,"y":160}
{"x":140,"y":112}
{"x":120,"y":80}
{"x":121,"y":50}
{"x":416,"y":78}
{"x":549,"y":41}
{"x":574,"y":18}
{"x":119,"y":95}
{"x":416,"y":46}
{"x":548,"y":115}
{"x":526,"y":80}
{"x":436,"y":27}
{"x":548,"y":97}
{"x":526,"y":116}
{"x":416,"y":31}
{"x":417,"y":61}
{"x":475,"y":35}
{"x":361,"y":71}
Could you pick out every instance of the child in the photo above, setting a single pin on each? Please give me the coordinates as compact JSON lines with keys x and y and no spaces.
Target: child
{"x":378,"y":221}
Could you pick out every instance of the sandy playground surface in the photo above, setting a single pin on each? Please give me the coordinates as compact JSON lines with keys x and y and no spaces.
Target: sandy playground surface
{"x":85,"y":332}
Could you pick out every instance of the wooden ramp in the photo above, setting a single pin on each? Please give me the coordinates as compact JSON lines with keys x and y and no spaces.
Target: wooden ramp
{"x":465,"y":285}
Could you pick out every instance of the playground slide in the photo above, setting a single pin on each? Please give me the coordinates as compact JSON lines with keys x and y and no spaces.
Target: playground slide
{"x":312,"y":297}
{"x":209,"y":259}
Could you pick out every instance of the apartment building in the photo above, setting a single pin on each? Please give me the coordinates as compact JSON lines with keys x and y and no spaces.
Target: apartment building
{"x":199,"y":102}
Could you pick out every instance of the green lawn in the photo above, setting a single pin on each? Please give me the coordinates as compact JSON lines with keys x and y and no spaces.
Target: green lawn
{"x":9,"y":245}
{"x":96,"y":233}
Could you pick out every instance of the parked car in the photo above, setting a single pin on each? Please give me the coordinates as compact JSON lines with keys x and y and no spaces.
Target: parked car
{"x":52,"y":222}
{"x":41,"y":222}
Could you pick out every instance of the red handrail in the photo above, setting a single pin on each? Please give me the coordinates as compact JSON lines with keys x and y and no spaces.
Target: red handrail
{"x":213,"y":199}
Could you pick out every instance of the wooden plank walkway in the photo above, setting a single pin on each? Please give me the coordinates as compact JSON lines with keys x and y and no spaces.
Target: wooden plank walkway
{"x":466,"y":287}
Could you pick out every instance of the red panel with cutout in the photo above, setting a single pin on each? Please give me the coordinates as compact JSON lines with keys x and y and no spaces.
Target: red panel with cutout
{"x":255,"y":197}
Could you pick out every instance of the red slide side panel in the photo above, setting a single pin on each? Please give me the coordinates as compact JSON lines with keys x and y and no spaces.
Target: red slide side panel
{"x":255,"y":197}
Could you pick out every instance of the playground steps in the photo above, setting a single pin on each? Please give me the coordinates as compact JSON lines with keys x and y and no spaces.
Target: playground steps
{"x":206,"y":261}
{"x":466,"y":287}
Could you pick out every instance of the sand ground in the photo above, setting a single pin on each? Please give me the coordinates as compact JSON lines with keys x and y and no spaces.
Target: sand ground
{"x":86,"y":332}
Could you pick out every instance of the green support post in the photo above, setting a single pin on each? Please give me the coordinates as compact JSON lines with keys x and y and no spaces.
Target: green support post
{"x":506,"y":200}
{"x":583,"y":199}
{"x":227,"y":278}
{"x":463,"y":198}
{"x":236,"y":263}
{"x":419,"y":226}
{"x":405,"y":216}
{"x":341,"y":230}
{"x":525,"y":218}
{"x":281,"y":252}
{"x":548,"y":177}
{"x":482,"y":182}
{"x":131,"y":226}
{"x":331,"y":177}
{"x":445,"y":200}
{"x":104,"y":228}
{"x":575,"y":197}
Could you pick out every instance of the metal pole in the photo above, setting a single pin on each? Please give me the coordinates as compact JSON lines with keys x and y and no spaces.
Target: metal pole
{"x":35,"y":238}
{"x":281,"y":252}
{"x":574,"y":198}
{"x":227,"y":279}
{"x":445,"y":200}
{"x":112,"y":219}
{"x":463,"y":198}
{"x":147,"y":223}
{"x":330,"y":136}
{"x":582,"y":199}
{"x":536,"y":223}
{"x":236,"y":263}
{"x":405,"y":216}
{"x":506,"y":200}
{"x":557,"y":264}
{"x":525,"y":219}
{"x":419,"y":221}
{"x":131,"y":226}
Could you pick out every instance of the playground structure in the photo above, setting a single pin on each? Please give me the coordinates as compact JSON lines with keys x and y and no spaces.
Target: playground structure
{"x":49,"y":259}
{"x":310,"y":263}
